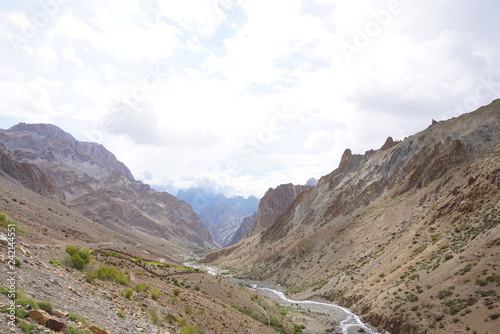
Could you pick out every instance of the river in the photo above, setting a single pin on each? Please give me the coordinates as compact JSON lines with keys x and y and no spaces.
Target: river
{"x":346,"y":321}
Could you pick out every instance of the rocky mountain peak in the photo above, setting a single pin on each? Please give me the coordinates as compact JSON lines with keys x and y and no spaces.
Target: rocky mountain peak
{"x":388,"y":144}
{"x":47,"y":142}
{"x":43,"y":130}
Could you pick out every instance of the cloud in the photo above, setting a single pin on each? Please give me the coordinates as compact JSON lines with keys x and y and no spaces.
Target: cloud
{"x":223,"y":68}
{"x":199,"y":16}
{"x":319,"y":141}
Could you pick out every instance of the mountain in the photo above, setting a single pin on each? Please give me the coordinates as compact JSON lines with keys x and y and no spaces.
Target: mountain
{"x":221,"y":215}
{"x":243,"y":229}
{"x":88,"y":178}
{"x":274,"y":202}
{"x":407,"y":236}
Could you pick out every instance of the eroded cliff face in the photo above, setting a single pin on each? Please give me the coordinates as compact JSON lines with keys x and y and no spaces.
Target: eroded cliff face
{"x":29,"y":175}
{"x":274,"y":202}
{"x":387,"y":231}
{"x":88,"y":178}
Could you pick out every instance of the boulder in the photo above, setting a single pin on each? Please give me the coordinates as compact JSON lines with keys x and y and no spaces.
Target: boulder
{"x":55,"y":324}
{"x":39,"y":316}
{"x":58,"y":313}
{"x":97,"y":330}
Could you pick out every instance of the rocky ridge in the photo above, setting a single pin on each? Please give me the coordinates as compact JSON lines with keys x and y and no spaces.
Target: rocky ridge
{"x":89,"y":179}
{"x":274,"y":202}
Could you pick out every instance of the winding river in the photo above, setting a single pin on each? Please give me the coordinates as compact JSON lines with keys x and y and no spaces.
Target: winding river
{"x":348,"y":322}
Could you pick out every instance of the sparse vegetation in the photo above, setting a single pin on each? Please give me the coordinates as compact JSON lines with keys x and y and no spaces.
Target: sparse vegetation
{"x":6,"y":222}
{"x":79,"y":257}
{"x":110,"y":274}
{"x":46,"y":306}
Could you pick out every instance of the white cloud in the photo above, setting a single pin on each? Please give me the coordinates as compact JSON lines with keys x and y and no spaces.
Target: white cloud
{"x":224,"y":68}
{"x":320,"y":141}
{"x":201,"y":16}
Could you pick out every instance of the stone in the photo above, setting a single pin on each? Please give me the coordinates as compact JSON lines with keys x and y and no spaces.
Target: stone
{"x":39,"y":316}
{"x":97,"y":330}
{"x":58,"y":313}
{"x":55,"y":324}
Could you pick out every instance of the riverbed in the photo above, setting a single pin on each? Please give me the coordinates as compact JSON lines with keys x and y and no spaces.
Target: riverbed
{"x":321,"y":317}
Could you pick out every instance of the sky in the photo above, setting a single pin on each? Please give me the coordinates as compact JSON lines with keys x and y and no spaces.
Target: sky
{"x":237,"y":96}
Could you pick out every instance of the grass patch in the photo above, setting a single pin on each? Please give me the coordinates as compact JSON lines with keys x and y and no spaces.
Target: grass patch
{"x":77,"y":317}
{"x":28,"y":327}
{"x":190,"y":329}
{"x":109,"y":274}
{"x":155,"y":294}
{"x":75,"y":330}
{"x":6,"y":222}
{"x":46,"y":306}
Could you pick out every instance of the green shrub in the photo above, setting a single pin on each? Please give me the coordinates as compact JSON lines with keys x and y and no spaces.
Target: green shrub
{"x":77,"y":317}
{"x":189,"y":329}
{"x":75,"y":330}
{"x":170,"y":317}
{"x":28,"y":327}
{"x":109,"y":274}
{"x":141,"y":287}
{"x":444,"y":293}
{"x":298,"y":328}
{"x":46,"y":306}
{"x":495,"y":316}
{"x":155,"y":294}
{"x":25,"y":301}
{"x":121,"y":315}
{"x":481,"y":282}
{"x":79,"y":257}
{"x":5,"y":221}
{"x":127,"y":293}
{"x":56,"y":263}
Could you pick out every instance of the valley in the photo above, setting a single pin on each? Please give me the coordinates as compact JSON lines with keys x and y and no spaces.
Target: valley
{"x":406,"y":236}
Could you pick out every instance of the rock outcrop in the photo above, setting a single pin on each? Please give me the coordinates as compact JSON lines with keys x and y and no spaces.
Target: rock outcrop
{"x":274,"y":202}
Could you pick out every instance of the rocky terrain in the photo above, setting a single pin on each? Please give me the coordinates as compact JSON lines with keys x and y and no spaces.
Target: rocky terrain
{"x":158,"y":294}
{"x":221,"y":215}
{"x":407,"y":236}
{"x":89,"y":179}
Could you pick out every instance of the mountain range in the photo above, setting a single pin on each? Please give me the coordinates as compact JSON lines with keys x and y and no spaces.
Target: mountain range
{"x":221,"y":215}
{"x":87,"y":178}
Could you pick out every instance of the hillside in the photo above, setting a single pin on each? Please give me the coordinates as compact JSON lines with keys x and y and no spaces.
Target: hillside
{"x":88,"y":178}
{"x":407,"y":236}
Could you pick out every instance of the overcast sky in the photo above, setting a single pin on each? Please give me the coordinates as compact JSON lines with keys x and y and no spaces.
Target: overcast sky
{"x":239,"y":96}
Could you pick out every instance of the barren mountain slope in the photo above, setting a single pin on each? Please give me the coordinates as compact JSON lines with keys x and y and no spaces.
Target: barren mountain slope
{"x":162,"y":296}
{"x":94,"y":183}
{"x":407,"y":236}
